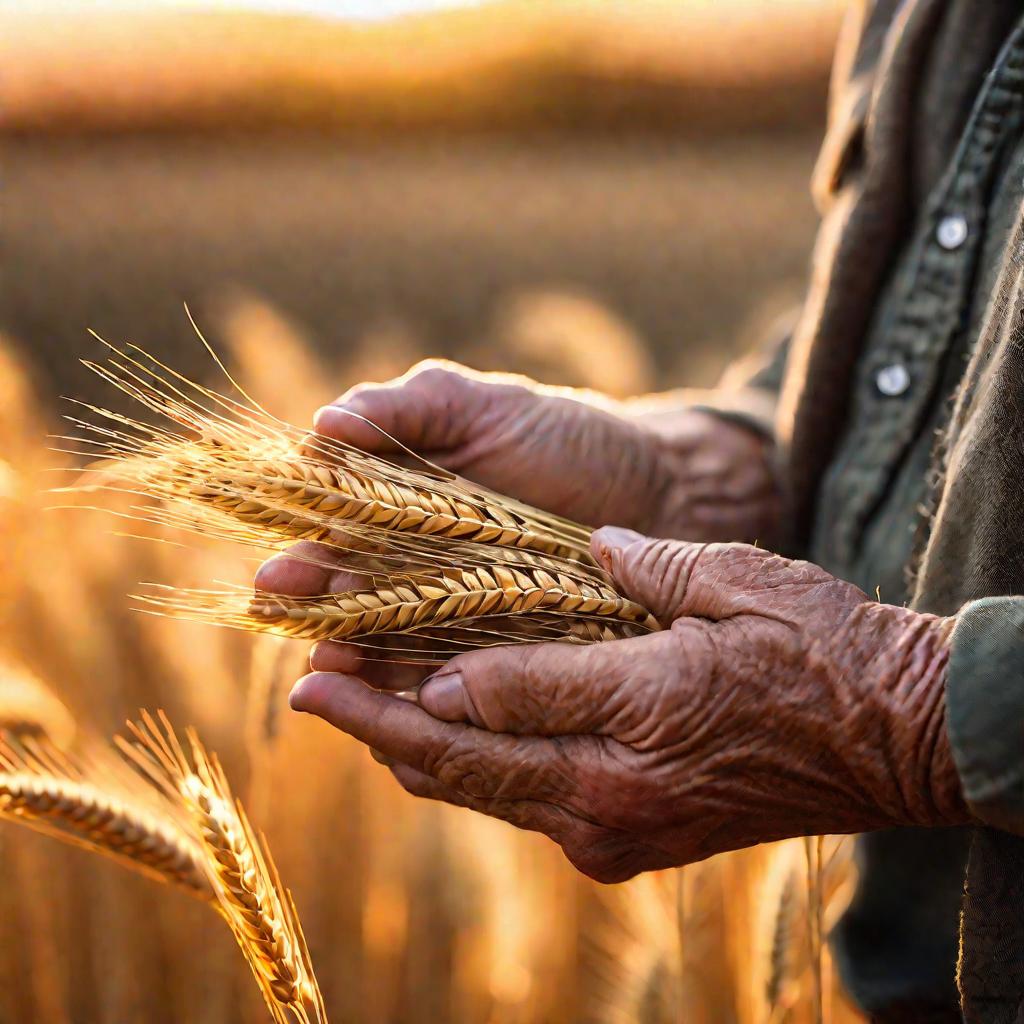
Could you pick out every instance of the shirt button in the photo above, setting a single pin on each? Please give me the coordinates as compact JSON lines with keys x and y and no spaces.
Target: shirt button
{"x":893,"y":381}
{"x":952,"y":232}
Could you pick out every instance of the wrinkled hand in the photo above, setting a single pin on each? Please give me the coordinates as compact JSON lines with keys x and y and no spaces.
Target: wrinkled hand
{"x":703,"y":479}
{"x":778,"y":702}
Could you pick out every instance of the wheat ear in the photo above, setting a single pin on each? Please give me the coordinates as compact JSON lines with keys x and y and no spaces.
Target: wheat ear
{"x":247,"y":465}
{"x":52,"y":793}
{"x":416,"y":605}
{"x":308,"y":500}
{"x":260,"y":912}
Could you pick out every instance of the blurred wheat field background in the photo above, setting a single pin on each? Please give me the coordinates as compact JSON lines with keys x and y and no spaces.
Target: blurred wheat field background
{"x":609,"y":234}
{"x":414,"y":913}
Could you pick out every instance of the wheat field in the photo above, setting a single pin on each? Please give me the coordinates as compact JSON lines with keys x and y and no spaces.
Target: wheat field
{"x":620,"y":203}
{"x":413,"y":913}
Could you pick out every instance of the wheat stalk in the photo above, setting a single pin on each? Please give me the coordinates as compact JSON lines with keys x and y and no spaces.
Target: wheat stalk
{"x":260,"y":912}
{"x":51,"y":793}
{"x":813,"y":849}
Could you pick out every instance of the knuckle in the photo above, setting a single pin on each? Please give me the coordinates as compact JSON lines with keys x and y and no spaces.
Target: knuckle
{"x":458,"y":766}
{"x":433,"y":373}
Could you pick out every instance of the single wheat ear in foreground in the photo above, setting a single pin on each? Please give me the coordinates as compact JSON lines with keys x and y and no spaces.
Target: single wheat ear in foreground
{"x":436,"y":564}
{"x":98,"y":804}
{"x":260,"y":912}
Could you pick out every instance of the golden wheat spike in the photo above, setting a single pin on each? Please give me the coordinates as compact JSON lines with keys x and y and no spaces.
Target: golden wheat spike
{"x":306,"y":500}
{"x":89,"y":804}
{"x":251,"y":465}
{"x":453,"y":598}
{"x":238,"y":864}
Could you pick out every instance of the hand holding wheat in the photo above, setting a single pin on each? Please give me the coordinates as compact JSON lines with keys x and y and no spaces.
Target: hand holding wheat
{"x":758,"y":715}
{"x":576,"y":455}
{"x":661,"y":468}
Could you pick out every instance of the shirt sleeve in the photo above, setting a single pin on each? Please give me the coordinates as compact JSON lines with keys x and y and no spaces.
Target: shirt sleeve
{"x":985,"y":708}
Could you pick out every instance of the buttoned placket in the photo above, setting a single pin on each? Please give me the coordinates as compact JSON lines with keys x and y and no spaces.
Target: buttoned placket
{"x":902,"y":369}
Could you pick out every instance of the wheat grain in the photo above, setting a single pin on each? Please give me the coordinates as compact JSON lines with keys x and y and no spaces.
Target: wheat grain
{"x":47,"y":791}
{"x":260,"y":912}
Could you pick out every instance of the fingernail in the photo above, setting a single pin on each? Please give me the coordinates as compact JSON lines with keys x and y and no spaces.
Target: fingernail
{"x":444,"y":696}
{"x":409,"y":696}
{"x":610,"y":538}
{"x":327,"y":416}
{"x":381,"y":758}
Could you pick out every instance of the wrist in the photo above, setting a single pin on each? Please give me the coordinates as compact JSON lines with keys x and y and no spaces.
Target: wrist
{"x":903,"y":658}
{"x":717,"y":479}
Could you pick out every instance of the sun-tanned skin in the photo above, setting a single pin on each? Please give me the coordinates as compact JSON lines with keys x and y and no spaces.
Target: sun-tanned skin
{"x":779,"y":701}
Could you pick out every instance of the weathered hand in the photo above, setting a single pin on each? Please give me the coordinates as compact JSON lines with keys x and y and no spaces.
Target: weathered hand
{"x":778,"y":702}
{"x":579,"y":456}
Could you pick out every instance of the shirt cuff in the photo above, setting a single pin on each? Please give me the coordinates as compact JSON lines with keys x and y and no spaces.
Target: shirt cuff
{"x":753,"y":408}
{"x":985,"y":708}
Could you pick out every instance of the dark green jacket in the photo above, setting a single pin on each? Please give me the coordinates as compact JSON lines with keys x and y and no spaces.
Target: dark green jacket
{"x":900,"y":413}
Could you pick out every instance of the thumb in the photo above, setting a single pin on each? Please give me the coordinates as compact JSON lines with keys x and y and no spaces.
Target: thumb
{"x":676,"y":579}
{"x":654,"y":573}
{"x":428,"y":409}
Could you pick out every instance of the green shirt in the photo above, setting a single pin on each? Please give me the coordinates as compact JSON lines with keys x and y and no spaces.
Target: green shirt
{"x":899,"y":940}
{"x":900,"y":427}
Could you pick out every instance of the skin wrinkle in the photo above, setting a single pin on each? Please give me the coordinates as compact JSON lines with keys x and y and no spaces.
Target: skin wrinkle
{"x":534,"y":815}
{"x":846,"y":606}
{"x":727,"y":489}
{"x":781,"y":702}
{"x":906,"y":671}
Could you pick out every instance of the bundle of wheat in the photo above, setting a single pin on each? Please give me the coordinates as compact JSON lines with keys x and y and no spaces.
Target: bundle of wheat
{"x":239,"y":867}
{"x":443,"y":563}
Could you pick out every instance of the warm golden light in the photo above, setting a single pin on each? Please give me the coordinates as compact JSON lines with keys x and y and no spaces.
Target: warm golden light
{"x":347,"y":10}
